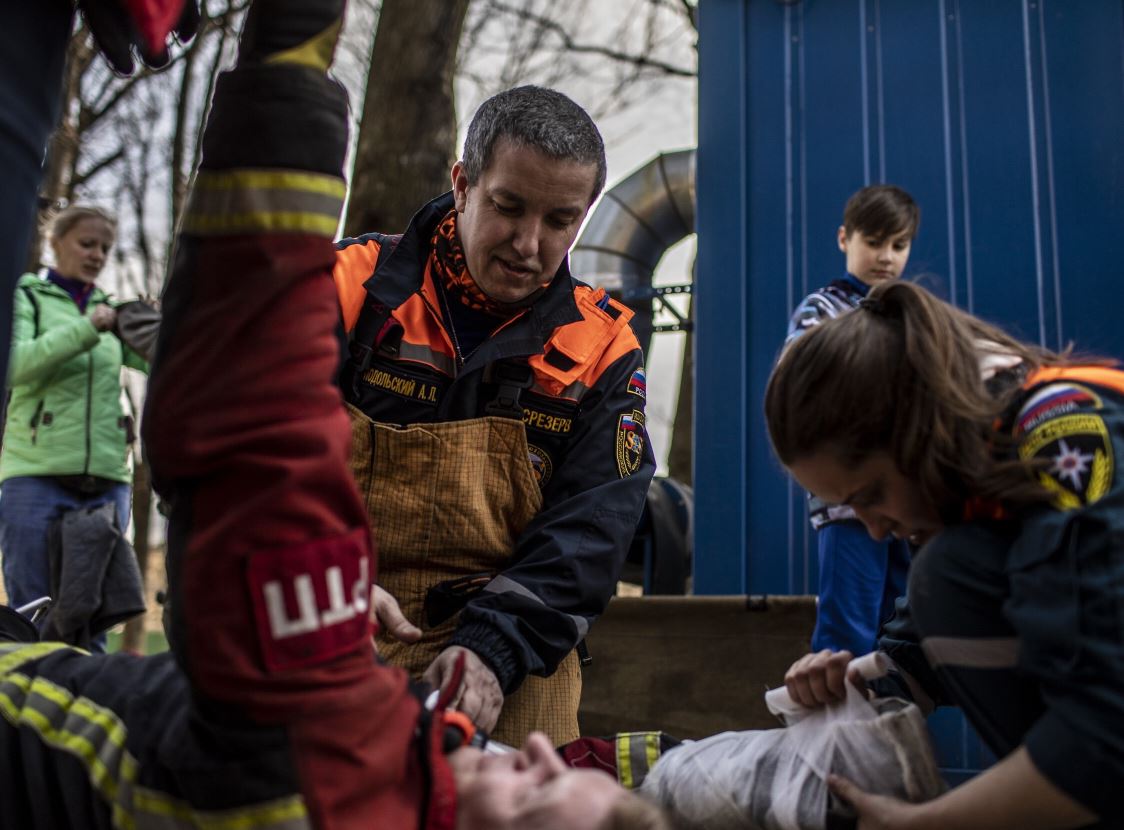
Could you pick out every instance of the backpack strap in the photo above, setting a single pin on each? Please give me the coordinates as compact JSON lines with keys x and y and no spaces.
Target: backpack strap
{"x":371,"y":325}
{"x":27,"y":292}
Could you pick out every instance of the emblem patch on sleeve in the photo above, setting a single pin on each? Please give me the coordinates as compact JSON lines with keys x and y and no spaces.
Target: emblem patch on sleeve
{"x":630,"y":442}
{"x":541,"y":465}
{"x":1075,"y":453}
{"x":637,"y":384}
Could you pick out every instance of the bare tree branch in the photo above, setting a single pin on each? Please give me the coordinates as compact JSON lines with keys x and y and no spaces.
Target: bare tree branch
{"x":569,"y":44}
{"x":90,"y":116}
{"x":98,"y":166}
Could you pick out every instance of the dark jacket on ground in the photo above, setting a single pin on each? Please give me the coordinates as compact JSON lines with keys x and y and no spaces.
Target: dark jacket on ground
{"x":95,"y":580}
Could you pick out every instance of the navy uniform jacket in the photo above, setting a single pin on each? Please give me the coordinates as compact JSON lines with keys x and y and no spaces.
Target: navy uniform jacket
{"x":1057,"y":590}
{"x":584,"y":416}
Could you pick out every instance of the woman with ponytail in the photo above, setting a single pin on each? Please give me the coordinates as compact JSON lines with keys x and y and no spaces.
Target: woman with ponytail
{"x":997,"y":458}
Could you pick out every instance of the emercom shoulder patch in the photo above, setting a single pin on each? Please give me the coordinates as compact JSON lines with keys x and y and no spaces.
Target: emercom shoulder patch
{"x":630,"y":442}
{"x":1074,"y":457}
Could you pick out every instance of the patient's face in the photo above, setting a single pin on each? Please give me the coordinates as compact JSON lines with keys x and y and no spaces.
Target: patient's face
{"x":529,"y":789}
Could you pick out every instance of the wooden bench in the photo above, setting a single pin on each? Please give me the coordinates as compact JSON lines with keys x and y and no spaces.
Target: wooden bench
{"x":690,"y":666}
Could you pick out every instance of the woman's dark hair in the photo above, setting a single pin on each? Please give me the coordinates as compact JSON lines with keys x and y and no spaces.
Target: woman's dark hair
{"x":901,"y":374}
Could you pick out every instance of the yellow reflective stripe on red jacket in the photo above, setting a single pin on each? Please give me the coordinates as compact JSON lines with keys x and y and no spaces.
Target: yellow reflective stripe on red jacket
{"x":255,"y":201}
{"x":637,"y":753}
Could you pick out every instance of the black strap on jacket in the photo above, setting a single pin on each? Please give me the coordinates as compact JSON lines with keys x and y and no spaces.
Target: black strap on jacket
{"x":27,"y":292}
{"x":511,"y":378}
{"x":364,"y":337}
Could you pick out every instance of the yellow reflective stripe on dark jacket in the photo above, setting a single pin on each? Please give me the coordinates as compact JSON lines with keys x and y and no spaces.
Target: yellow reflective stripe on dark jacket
{"x":96,"y":736}
{"x":254,"y":201}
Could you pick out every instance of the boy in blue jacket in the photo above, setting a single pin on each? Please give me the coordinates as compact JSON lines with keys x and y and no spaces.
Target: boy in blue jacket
{"x":860,"y":577}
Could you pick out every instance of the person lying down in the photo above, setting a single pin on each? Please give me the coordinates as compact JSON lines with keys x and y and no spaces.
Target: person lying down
{"x":776,"y":779}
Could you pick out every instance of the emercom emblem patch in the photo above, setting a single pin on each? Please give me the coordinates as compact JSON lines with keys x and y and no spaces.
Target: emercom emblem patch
{"x":541,"y":465}
{"x":630,"y":442}
{"x":1074,"y":454}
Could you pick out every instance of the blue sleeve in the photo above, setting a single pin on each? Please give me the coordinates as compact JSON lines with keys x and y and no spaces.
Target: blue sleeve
{"x":809,"y":314}
{"x":853,"y":576}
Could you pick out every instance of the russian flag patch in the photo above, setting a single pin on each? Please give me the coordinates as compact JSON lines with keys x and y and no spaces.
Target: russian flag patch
{"x":637,"y":385}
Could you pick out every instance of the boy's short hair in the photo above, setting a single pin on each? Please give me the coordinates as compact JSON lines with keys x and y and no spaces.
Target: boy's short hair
{"x":881,"y":211}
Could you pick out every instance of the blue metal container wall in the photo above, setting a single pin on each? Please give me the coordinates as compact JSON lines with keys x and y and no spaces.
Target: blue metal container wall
{"x":1004,"y":119}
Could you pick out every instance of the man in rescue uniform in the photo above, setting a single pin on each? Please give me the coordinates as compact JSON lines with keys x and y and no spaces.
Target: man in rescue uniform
{"x":497,"y":409}
{"x":271,"y":711}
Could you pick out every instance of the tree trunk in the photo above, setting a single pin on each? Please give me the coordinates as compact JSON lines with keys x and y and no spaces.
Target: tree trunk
{"x":408,"y":135}
{"x":62,"y":150}
{"x":133,"y":639}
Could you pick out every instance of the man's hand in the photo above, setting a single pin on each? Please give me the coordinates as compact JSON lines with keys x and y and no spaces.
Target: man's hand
{"x":876,"y":812}
{"x":816,"y":679}
{"x":122,"y":27}
{"x":479,"y":695}
{"x":386,"y":614}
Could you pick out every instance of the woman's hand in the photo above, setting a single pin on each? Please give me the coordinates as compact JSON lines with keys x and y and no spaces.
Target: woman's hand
{"x":816,"y":679}
{"x":876,"y":812}
{"x":103,"y":317}
{"x":1013,"y":793}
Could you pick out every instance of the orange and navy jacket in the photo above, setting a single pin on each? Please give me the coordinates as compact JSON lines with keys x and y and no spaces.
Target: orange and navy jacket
{"x":272,"y":710}
{"x":583,"y":410}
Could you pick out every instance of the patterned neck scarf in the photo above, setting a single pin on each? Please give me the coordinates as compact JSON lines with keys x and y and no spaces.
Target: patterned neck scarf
{"x":450,"y":269}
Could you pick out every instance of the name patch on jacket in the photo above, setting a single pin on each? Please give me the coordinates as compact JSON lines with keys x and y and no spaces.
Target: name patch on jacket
{"x":545,"y":421}
{"x":1075,"y":457}
{"x":310,"y":602}
{"x":403,"y":386}
{"x":630,"y":442}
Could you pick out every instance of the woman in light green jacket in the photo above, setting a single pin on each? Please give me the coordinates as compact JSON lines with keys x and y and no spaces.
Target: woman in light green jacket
{"x":66,"y":437}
